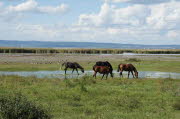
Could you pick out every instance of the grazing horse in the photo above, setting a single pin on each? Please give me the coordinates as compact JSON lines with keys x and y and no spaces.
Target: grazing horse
{"x":72,"y":65}
{"x":106,"y":63}
{"x":102,"y":70}
{"x":129,"y":68}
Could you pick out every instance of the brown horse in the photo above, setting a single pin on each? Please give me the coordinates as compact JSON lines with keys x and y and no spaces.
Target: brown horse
{"x":102,"y":70}
{"x":129,"y":68}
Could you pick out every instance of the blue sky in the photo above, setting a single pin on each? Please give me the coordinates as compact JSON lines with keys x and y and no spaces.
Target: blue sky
{"x":114,"y":21}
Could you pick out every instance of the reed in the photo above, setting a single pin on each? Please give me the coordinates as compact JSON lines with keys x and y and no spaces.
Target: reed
{"x":87,"y":51}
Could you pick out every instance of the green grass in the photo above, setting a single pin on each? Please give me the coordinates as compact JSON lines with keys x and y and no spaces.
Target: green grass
{"x":87,"y":51}
{"x":164,"y":66}
{"x":87,"y":98}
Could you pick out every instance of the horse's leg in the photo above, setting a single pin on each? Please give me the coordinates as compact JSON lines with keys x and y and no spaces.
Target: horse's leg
{"x":65,"y":70}
{"x":102,"y":76}
{"x":128,"y":73}
{"x":107,"y":75}
{"x":111,"y":74}
{"x":132,"y":73}
{"x":94,"y":75}
{"x":77,"y":71}
{"x":121,"y":75}
{"x":72,"y":71}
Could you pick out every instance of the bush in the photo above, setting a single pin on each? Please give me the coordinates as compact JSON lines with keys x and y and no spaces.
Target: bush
{"x":133,"y":60}
{"x":18,"y":107}
{"x":177,"y":104}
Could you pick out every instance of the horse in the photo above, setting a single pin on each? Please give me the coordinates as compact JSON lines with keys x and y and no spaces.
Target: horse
{"x":106,"y":63}
{"x":72,"y":65}
{"x":102,"y":70}
{"x":129,"y":68}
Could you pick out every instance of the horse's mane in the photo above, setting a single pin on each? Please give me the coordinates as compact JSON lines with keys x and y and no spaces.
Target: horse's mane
{"x":135,"y":70}
{"x":78,"y":65}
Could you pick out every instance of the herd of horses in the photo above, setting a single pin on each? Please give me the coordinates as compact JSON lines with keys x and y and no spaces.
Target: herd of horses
{"x":102,"y":67}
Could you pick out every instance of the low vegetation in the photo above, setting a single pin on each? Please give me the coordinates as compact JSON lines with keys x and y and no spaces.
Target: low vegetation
{"x":132,"y":60}
{"x":141,"y":65}
{"x":91,"y":99}
{"x":19,"y":107}
{"x":88,"y":51}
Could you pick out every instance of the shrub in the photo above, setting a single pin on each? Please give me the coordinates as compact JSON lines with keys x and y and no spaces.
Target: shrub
{"x":133,"y":60}
{"x":177,"y":104}
{"x":18,"y":107}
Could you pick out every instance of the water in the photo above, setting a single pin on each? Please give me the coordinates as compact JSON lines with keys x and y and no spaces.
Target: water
{"x":60,"y":74}
{"x":144,"y":54}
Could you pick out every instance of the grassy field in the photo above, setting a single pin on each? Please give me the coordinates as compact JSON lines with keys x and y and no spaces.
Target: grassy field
{"x":87,"y":98}
{"x":164,"y":66}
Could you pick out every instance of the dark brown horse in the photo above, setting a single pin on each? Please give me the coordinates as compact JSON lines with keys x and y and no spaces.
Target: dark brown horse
{"x":129,"y":68}
{"x":102,"y":70}
{"x":72,"y":65}
{"x":104,"y":63}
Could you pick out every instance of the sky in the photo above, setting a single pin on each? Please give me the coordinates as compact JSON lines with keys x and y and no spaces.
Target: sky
{"x":155,"y":22}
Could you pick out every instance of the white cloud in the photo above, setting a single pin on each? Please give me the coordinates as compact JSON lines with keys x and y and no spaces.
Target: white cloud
{"x":173,"y":34}
{"x":109,"y":15}
{"x":14,"y":13}
{"x":141,"y":1}
{"x":48,"y":9}
{"x":97,"y":19}
{"x":135,"y":23}
{"x":33,"y":6}
{"x":29,"y":5}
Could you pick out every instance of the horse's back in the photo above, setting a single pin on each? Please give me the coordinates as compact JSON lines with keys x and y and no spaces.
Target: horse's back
{"x":126,"y":67}
{"x":101,"y":69}
{"x":104,"y":63}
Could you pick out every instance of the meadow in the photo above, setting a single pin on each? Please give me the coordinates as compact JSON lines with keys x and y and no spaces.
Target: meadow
{"x":36,"y":62}
{"x":87,"y":98}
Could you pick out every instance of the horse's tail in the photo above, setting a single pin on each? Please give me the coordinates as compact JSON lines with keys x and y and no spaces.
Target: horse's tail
{"x":94,"y":67}
{"x":118,"y":68}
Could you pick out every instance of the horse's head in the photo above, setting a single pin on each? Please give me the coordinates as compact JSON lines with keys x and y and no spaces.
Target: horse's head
{"x":136,"y":74}
{"x":82,"y":69}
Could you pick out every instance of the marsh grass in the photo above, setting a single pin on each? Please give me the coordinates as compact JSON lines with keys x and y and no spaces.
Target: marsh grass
{"x":18,"y":106}
{"x":87,"y":51}
{"x":177,"y":104}
{"x":103,"y":99}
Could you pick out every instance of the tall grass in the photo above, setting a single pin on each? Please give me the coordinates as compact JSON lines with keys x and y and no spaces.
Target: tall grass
{"x":88,"y":51}
{"x":89,"y":98}
{"x":19,"y":107}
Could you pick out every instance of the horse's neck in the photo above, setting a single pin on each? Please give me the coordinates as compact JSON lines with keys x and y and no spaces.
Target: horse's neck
{"x":135,"y":70}
{"x":80,"y":67}
{"x":63,"y":63}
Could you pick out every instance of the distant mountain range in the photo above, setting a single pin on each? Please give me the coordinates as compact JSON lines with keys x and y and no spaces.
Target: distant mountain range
{"x":48,"y":44}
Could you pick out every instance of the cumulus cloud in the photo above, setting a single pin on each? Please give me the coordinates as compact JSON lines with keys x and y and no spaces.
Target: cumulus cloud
{"x":111,"y":16}
{"x":138,"y":22}
{"x":135,"y":23}
{"x":141,"y":1}
{"x":33,"y":6}
{"x":29,"y":5}
{"x":48,"y":9}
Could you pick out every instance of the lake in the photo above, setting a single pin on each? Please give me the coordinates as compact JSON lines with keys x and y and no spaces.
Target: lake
{"x":60,"y":74}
